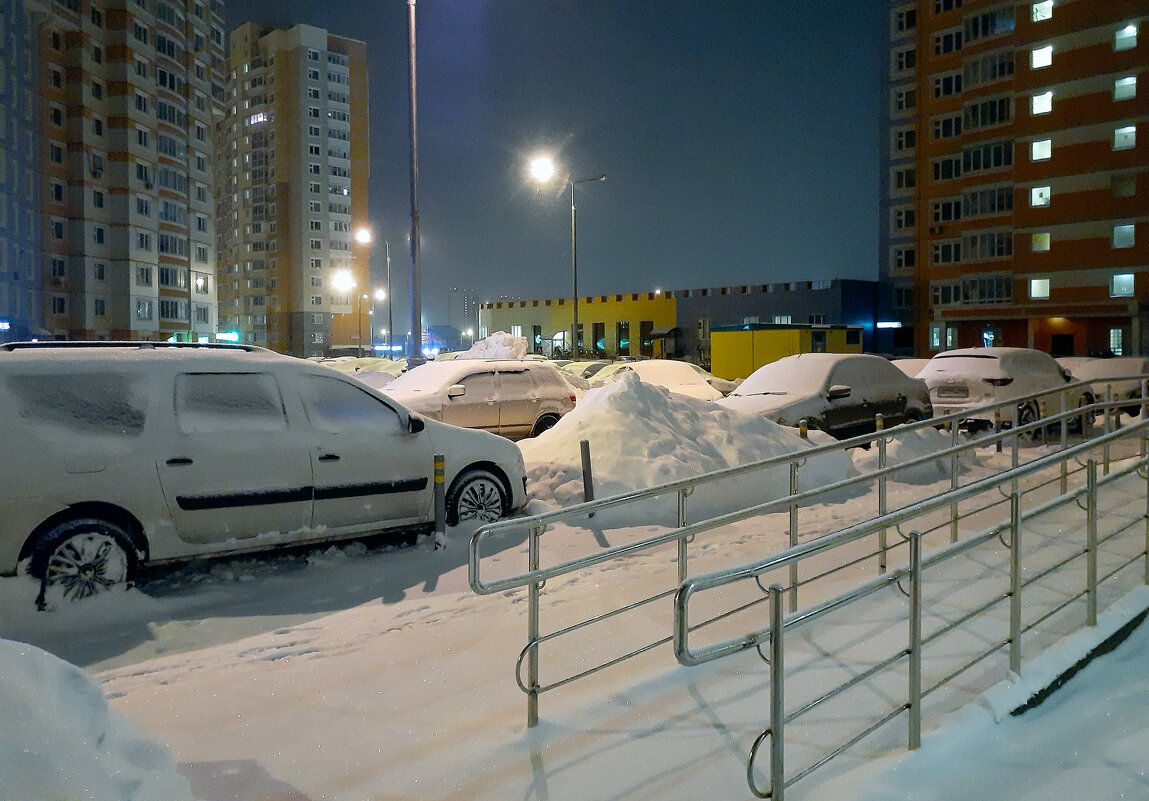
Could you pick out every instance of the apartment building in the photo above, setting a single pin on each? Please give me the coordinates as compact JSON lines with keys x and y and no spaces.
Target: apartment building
{"x":1016,"y":176}
{"x":20,"y":250}
{"x":293,"y":159}
{"x":127,"y":92}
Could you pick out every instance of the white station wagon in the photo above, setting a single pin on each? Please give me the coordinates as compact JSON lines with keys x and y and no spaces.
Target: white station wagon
{"x":120,"y":454}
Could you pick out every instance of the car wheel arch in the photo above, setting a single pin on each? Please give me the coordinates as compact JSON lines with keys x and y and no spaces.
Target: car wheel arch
{"x":91,"y":509}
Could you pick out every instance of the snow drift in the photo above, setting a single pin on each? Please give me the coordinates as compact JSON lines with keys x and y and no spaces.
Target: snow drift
{"x":642,"y":435}
{"x":499,"y":345}
{"x":60,"y":740}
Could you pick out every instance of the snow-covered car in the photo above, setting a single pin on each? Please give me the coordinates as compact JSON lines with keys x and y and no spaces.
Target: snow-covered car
{"x":839,"y":393}
{"x":910,"y":367}
{"x":966,"y":379}
{"x":516,"y":398}
{"x":1120,"y":375}
{"x":585,"y":369}
{"x":723,"y":385}
{"x":120,"y":454}
{"x":680,"y":377}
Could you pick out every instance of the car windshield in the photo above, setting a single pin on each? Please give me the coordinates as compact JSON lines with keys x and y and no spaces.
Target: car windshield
{"x":787,"y":376}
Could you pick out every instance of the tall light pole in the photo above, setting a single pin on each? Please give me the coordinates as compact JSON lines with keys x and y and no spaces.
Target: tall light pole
{"x":415,"y":351}
{"x":390,"y":299}
{"x":542,"y":169}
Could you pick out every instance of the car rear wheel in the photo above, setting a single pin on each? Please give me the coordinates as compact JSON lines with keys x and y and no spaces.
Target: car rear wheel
{"x":1027,"y":414}
{"x":476,"y":496}
{"x":83,"y":557}
{"x":544,"y":423}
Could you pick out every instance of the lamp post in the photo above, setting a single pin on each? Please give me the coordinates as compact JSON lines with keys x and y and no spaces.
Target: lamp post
{"x":542,"y":169}
{"x":379,"y":296}
{"x":390,"y":301}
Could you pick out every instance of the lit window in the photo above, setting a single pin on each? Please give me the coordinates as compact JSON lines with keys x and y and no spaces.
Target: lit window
{"x":1123,"y":236}
{"x":1125,"y":38}
{"x":1039,"y":12}
{"x":1042,"y":103}
{"x":1125,"y":138}
{"x":1125,"y":88}
{"x":1039,"y":289}
{"x":1039,"y":196}
{"x":1041,"y":149}
{"x":782,"y":319}
{"x":1040,"y":242}
{"x":1041,"y":57}
{"x":1121,"y":286}
{"x":1116,"y":341}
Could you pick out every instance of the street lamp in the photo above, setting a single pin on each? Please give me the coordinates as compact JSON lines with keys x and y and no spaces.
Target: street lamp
{"x":390,"y":301}
{"x":542,"y":170}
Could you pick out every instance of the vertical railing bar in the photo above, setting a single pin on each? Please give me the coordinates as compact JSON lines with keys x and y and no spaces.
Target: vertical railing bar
{"x":954,"y":468}
{"x":1109,"y":409}
{"x":793,"y":536}
{"x":682,"y":541}
{"x":533,"y":593}
{"x":777,"y":696}
{"x":1015,"y":582}
{"x":1091,"y":543}
{"x":915,"y":665}
{"x":879,"y":425}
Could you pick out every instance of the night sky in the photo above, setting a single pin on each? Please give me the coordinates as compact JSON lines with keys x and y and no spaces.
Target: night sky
{"x":739,"y":140}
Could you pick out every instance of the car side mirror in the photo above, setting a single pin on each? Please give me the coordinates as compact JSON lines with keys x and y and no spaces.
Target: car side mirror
{"x":415,"y":424}
{"x":456,"y":391}
{"x":838,"y":392}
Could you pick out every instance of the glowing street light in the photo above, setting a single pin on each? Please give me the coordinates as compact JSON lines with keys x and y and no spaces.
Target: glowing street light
{"x":542,"y":169}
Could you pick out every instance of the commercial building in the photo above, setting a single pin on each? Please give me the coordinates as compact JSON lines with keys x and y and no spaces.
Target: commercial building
{"x":677,"y":323}
{"x":127,"y":95}
{"x":293,"y":157}
{"x":1016,"y":180}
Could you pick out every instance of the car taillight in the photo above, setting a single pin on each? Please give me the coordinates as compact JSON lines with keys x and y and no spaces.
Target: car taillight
{"x":999,"y":382}
{"x":573,"y":399}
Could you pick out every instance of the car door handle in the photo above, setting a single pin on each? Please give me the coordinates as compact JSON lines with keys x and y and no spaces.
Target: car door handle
{"x":180,"y":460}
{"x":329,"y":457}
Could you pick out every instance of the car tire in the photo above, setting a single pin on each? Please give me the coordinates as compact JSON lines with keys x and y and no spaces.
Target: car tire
{"x":84,"y":556}
{"x":1027,"y":413}
{"x":476,"y":495}
{"x":545,"y":423}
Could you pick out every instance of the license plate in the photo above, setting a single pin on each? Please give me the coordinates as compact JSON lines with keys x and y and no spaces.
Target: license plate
{"x":953,"y":392}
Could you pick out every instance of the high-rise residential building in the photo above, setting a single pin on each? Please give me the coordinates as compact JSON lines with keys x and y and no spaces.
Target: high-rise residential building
{"x":1016,"y":177}
{"x":127,"y":95}
{"x":21,"y":254}
{"x":293,"y":155}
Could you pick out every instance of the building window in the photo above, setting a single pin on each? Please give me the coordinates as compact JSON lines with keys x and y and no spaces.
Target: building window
{"x":904,"y":178}
{"x":316,"y":300}
{"x":313,"y":112}
{"x":98,"y":233}
{"x":312,"y":55}
{"x":948,"y":252}
{"x":1123,"y":236}
{"x":59,"y":268}
{"x":947,"y":85}
{"x":1039,"y":196}
{"x":59,"y":304}
{"x":947,"y":127}
{"x":1121,"y":285}
{"x":1040,"y":242}
{"x":1040,"y":149}
{"x":99,"y":306}
{"x":1116,"y":341}
{"x":1123,"y":185}
{"x":904,"y":258}
{"x":1125,"y":38}
{"x":1041,"y":57}
{"x":1125,"y":88}
{"x":904,"y":218}
{"x":1125,"y":137}
{"x":905,"y":99}
{"x":1042,"y":103}
{"x":143,"y":276}
{"x":1040,"y":12}
{"x":316,"y":244}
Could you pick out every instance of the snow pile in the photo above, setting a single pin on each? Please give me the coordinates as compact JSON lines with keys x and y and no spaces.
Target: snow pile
{"x":60,"y":740}
{"x":905,"y":446}
{"x":499,"y":345}
{"x":642,"y":435}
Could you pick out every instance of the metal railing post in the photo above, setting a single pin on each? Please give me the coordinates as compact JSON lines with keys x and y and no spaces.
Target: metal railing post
{"x":439,"y":538}
{"x":1015,"y":582}
{"x":793,"y":536}
{"x":1016,"y":436}
{"x":997,"y":428}
{"x":880,"y":424}
{"x":954,"y":466}
{"x":587,"y":474}
{"x":1091,"y":543}
{"x":1065,"y":433}
{"x":534,"y":590}
{"x":915,"y":644}
{"x":682,"y":541}
{"x":1109,"y":421}
{"x":777,"y":697}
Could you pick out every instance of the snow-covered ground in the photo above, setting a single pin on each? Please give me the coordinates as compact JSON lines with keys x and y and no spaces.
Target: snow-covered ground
{"x":359,"y":672}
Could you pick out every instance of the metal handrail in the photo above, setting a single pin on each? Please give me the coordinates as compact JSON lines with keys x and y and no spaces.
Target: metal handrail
{"x":535,"y":526}
{"x":778,"y":626}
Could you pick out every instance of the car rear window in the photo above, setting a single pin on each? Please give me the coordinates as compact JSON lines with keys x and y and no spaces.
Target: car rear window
{"x":207,"y":402}
{"x":107,"y":404}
